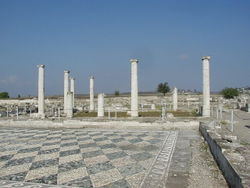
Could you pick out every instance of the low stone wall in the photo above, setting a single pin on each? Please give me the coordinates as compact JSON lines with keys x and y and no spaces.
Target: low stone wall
{"x":230,"y":173}
{"x":118,"y":124}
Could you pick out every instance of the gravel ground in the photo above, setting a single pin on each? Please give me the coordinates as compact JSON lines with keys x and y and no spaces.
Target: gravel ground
{"x":241,"y":126}
{"x":204,"y":171}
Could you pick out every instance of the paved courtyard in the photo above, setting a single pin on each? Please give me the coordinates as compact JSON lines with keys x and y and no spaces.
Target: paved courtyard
{"x":85,"y":158}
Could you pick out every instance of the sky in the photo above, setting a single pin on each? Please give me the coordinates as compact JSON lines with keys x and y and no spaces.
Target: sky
{"x":99,"y":37}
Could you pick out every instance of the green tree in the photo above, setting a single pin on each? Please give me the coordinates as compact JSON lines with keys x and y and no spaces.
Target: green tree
{"x":163,"y":88}
{"x":4,"y":95}
{"x":230,"y":93}
{"x":117,"y":93}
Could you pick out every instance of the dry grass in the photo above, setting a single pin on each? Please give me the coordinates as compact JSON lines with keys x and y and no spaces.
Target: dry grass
{"x":150,"y":114}
{"x":141,"y":114}
{"x":183,"y":114}
{"x":85,"y":114}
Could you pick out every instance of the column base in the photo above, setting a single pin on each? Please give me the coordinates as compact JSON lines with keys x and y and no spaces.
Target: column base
{"x":134,"y":113}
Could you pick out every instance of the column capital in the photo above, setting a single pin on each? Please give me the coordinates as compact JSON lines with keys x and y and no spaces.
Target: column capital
{"x":42,"y":66}
{"x":72,"y":78}
{"x":91,"y":77}
{"x":66,"y":71}
{"x":206,"y":57}
{"x":134,"y":60}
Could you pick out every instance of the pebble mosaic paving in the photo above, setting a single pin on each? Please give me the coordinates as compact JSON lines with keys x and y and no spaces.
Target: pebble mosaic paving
{"x":83,"y":158}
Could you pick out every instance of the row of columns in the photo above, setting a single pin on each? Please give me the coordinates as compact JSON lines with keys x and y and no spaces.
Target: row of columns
{"x":134,"y":93}
{"x":69,"y":91}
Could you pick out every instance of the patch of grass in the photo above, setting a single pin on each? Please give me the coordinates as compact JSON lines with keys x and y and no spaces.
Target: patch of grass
{"x":175,"y":113}
{"x":94,"y":114}
{"x":223,"y":122}
{"x":150,"y":114}
{"x":141,"y":114}
{"x":119,"y":114}
{"x":85,"y":114}
{"x":183,"y":114}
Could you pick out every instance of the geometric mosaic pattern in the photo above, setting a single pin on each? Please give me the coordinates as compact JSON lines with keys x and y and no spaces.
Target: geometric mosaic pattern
{"x":77,"y":157}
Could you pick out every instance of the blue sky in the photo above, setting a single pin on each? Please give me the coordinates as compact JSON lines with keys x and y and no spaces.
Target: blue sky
{"x":98,"y":37}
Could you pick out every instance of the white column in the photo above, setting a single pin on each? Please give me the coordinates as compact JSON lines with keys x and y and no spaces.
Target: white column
{"x":100,"y":112}
{"x":109,"y":113}
{"x":206,"y":87}
{"x":221,"y":110}
{"x":163,"y":113}
{"x":41,"y":91}
{"x":69,"y":108}
{"x":232,"y":121}
{"x":248,"y":104}
{"x":217,"y":113}
{"x":66,"y":88}
{"x":59,"y":112}
{"x":134,"y":88}
{"x":72,"y":88}
{"x":175,"y":99}
{"x":17,"y":112}
{"x":7,"y":112}
{"x":91,"y":94}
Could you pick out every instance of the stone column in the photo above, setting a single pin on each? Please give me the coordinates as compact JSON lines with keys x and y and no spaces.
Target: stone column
{"x":134,"y":88}
{"x":69,"y":108}
{"x":66,"y":88}
{"x":163,"y":113}
{"x":248,"y":104}
{"x":17,"y":112}
{"x":100,"y":112}
{"x":232,"y":121}
{"x":59,"y":112}
{"x":91,"y":94}
{"x":206,"y":87}
{"x":221,"y":112}
{"x":72,"y":89}
{"x":175,"y":99}
{"x":7,"y":112}
{"x":41,"y":91}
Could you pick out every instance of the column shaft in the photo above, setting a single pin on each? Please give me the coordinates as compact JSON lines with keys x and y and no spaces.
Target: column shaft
{"x":100,"y":112}
{"x":41,"y":91}
{"x":72,"y":89}
{"x":91,"y":94}
{"x":206,"y":87}
{"x":69,"y":108}
{"x":134,"y":88}
{"x":175,"y":99}
{"x":66,"y":88}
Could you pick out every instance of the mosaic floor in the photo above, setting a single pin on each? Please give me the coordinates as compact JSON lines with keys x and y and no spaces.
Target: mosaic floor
{"x":83,"y":158}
